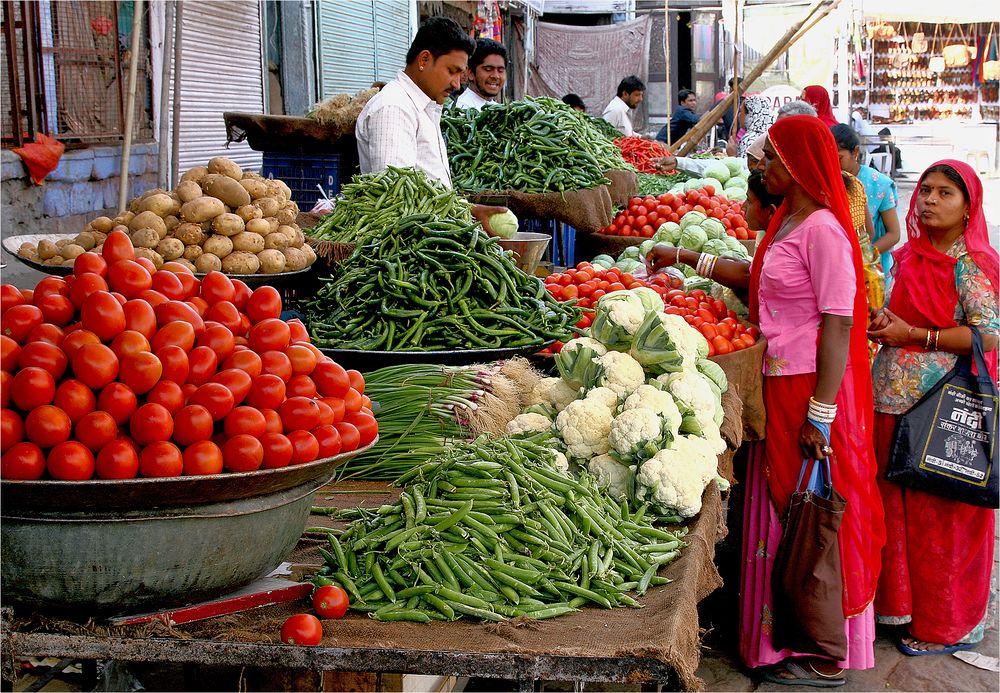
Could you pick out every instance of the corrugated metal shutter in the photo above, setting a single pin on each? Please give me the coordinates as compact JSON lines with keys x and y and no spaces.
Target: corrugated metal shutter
{"x":221,"y":70}
{"x":360,"y":42}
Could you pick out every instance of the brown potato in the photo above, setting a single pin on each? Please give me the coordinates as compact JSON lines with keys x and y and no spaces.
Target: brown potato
{"x":54,"y":261}
{"x":226,"y":167}
{"x":189,"y":234}
{"x":134,"y":205}
{"x":275,"y":241}
{"x":123,"y":219}
{"x":151,"y":192}
{"x":148,"y":220}
{"x":189,"y":190}
{"x":202,"y":209}
{"x":207,"y":262}
{"x":63,"y":242}
{"x":227,"y":190}
{"x":250,"y":242}
{"x":170,"y":249}
{"x":271,"y":261}
{"x":295,"y":259}
{"x":102,"y":224}
{"x":220,"y":246}
{"x":287,"y":215}
{"x":268,"y":206}
{"x":47,"y":249}
{"x":240,"y":262}
{"x":171,"y":222}
{"x":160,"y":204}
{"x":195,"y":174}
{"x":30,"y":252}
{"x":99,"y":237}
{"x":121,"y":227}
{"x":70,"y":251}
{"x":248,"y":212}
{"x":261,"y":226}
{"x":150,"y":255}
{"x":186,"y":263}
{"x":145,"y":238}
{"x":85,"y":240}
{"x":254,"y":186}
{"x":310,"y":254}
{"x":228,"y":224}
{"x":273,"y":222}
{"x":192,"y":252}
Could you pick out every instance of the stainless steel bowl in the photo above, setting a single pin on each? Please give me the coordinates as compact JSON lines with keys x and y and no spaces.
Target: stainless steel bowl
{"x":528,"y":248}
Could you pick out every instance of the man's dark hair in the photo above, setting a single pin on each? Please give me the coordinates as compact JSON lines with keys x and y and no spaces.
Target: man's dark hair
{"x":683,"y":94}
{"x":732,"y":81}
{"x":630,"y":84}
{"x":485,"y":47}
{"x":574,"y":101}
{"x":755,"y":184}
{"x":845,"y":137}
{"x":440,"y":36}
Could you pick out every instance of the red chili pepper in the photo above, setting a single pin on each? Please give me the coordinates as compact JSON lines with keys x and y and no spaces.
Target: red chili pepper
{"x":642,"y":152}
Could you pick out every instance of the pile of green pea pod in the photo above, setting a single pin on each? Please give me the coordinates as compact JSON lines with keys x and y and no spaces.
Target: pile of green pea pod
{"x":491,"y":530}
{"x":435,"y":284}
{"x":536,"y":145}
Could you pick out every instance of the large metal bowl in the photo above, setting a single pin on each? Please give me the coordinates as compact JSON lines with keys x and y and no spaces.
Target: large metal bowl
{"x":528,"y":248}
{"x":107,"y":547}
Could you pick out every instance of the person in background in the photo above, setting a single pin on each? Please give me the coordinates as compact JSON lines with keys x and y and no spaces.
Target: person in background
{"x":797,"y":107}
{"x":575,"y":102}
{"x":726,"y":126}
{"x":630,"y":93}
{"x":401,"y":125}
{"x":864,"y":129}
{"x":487,"y":75}
{"x":683,"y":119}
{"x":880,"y":190}
{"x":755,"y":119}
{"x":819,"y":98}
{"x":806,"y":290}
{"x":937,"y":562}
{"x":889,"y":146}
{"x":760,"y":205}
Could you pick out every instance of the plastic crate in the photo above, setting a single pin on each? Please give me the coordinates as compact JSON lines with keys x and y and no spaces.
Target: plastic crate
{"x":302,"y":173}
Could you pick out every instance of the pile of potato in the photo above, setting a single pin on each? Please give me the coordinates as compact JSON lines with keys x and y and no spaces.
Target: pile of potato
{"x":218,"y":218}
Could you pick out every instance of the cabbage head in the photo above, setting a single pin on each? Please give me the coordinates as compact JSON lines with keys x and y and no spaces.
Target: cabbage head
{"x":714,"y":246}
{"x":693,"y":237}
{"x":737,"y":166}
{"x":736,"y":182}
{"x":691,"y":218}
{"x":733,"y":244}
{"x":719,"y":171}
{"x":668,"y":233}
{"x":504,"y":224}
{"x":605,"y":261}
{"x":630,"y":253}
{"x":714,"y":228}
{"x":628,"y":265}
{"x":650,"y":299}
{"x":737,"y":194}
{"x":646,"y":246}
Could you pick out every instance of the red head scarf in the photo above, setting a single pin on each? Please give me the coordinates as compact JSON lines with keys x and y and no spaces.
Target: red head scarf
{"x":924,"y":293}
{"x":819,"y":97}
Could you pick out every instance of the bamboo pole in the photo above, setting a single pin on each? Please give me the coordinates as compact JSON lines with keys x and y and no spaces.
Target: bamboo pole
{"x":666,"y":57}
{"x":693,"y":136}
{"x":163,"y":172}
{"x":175,"y":119}
{"x":133,"y":69}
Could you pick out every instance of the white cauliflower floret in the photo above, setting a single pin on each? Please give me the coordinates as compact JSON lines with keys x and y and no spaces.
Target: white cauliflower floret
{"x":529,"y":423}
{"x":605,"y":396}
{"x":693,"y":390}
{"x":620,"y":373}
{"x":553,"y":391}
{"x":713,"y":437}
{"x":690,"y":343}
{"x":574,"y":344}
{"x":624,"y":308}
{"x":559,"y":461}
{"x":632,"y":429}
{"x":700,"y":450}
{"x":660,"y":402}
{"x":673,"y":481}
{"x":576,"y":361}
{"x":610,"y":475}
{"x":584,"y":426}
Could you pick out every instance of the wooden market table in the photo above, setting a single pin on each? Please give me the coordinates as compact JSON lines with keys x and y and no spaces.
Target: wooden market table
{"x":658,"y":644}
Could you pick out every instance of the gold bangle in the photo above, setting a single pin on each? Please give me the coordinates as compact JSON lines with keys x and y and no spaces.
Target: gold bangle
{"x":927,"y":340}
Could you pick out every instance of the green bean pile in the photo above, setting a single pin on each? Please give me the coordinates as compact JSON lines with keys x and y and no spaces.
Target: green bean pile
{"x":372,"y":202}
{"x":537,"y":145}
{"x":657,"y":184}
{"x":430,"y":284}
{"x":490,"y":530}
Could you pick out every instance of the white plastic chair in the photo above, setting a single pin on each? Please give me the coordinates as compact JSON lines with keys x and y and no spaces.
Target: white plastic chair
{"x":881,"y":162}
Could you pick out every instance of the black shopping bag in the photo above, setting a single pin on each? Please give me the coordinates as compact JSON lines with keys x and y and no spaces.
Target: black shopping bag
{"x":946,"y":443}
{"x":806,"y":580}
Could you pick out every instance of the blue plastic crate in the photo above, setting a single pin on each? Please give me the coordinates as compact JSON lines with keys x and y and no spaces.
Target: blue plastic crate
{"x":302,"y":173}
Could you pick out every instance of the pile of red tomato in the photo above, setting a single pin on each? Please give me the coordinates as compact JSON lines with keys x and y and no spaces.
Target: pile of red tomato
{"x":122,"y":370}
{"x":644,"y":215}
{"x":587,"y":283}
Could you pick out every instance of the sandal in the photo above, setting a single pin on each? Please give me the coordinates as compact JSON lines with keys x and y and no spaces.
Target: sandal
{"x":801,"y":677}
{"x":945,"y":649}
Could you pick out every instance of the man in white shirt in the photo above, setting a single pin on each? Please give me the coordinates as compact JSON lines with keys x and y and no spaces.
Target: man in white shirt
{"x":630,"y":93}
{"x":487,"y":75}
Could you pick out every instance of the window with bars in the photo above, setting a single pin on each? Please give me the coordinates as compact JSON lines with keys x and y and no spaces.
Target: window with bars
{"x":66,"y":68}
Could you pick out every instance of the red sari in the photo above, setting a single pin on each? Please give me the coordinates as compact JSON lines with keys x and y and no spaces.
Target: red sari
{"x":939,"y":553}
{"x":819,"y":98}
{"x":808,"y":150}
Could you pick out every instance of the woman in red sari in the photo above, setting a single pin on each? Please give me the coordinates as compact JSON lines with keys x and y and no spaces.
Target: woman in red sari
{"x":939,"y":554}
{"x":806,"y":290}
{"x":819,"y":98}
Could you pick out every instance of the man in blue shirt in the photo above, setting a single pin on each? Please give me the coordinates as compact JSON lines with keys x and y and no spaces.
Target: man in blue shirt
{"x":684,"y":118}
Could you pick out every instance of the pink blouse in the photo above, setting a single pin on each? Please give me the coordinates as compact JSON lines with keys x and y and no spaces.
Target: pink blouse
{"x":806,"y":274}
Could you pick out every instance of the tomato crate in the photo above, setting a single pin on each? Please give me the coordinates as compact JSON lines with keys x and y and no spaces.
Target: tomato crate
{"x":303,"y":172}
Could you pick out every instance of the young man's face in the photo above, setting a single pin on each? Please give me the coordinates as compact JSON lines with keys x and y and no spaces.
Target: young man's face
{"x":691,"y":101}
{"x":490,"y":76}
{"x":633,"y":98}
{"x":439,"y":77}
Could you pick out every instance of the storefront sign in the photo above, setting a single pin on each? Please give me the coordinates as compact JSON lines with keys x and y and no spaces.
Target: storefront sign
{"x":780,"y":95}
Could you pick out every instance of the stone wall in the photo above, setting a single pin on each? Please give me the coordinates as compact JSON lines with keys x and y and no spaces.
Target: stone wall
{"x":83,"y":186}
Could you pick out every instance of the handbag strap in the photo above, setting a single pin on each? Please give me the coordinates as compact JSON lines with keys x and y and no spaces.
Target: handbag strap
{"x":979,"y":354}
{"x":821,"y":472}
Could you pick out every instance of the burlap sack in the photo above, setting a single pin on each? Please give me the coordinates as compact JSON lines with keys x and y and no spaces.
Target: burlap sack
{"x":587,"y":211}
{"x":744,"y":369}
{"x":624,"y":185}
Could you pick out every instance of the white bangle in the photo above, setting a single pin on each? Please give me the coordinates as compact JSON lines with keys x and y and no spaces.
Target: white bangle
{"x":822,"y":412}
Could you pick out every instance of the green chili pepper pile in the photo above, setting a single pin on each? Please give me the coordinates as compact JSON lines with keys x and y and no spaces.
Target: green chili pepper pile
{"x":657,"y":183}
{"x":490,"y":530}
{"x":429,"y":283}
{"x":374,"y":201}
{"x":537,"y":145}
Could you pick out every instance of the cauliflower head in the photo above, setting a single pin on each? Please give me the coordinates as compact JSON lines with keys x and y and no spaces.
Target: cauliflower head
{"x":672,"y":482}
{"x":553,"y":391}
{"x":584,"y":426}
{"x":616,"y":318}
{"x":559,"y":461}
{"x":605,"y":396}
{"x":636,"y":434}
{"x":660,"y":401}
{"x":529,"y":423}
{"x":690,"y":343}
{"x":700,"y":450}
{"x":693,"y":390}
{"x":576,"y":361}
{"x":619,"y":372}
{"x":610,"y":475}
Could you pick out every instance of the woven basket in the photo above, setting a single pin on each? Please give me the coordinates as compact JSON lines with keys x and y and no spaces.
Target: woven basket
{"x":330,"y":252}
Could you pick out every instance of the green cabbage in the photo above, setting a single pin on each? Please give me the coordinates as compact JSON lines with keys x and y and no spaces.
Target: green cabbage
{"x":714,"y":372}
{"x":693,"y":184}
{"x":504,"y":224}
{"x":630,"y":253}
{"x":650,"y":299}
{"x":715,"y":246}
{"x":740,"y":183}
{"x":646,"y":246}
{"x":737,"y":166}
{"x":719,"y":171}
{"x":692,"y":218}
{"x":668,"y":233}
{"x":737,"y":194}
{"x":628,"y":265}
{"x":733,"y":244}
{"x":605,"y":261}
{"x":693,"y":237}
{"x":713,"y":228}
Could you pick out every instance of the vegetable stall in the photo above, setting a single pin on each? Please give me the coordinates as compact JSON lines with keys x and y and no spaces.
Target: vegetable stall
{"x":451,"y":505}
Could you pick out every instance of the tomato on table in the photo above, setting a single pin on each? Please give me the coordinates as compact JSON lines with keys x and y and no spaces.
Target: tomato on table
{"x":330,"y":601}
{"x":302,"y":629}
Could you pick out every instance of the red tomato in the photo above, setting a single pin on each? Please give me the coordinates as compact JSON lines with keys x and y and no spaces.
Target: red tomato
{"x":95,"y":429}
{"x":266,"y":392}
{"x":70,"y":461}
{"x":272,"y":421}
{"x":725,"y":329}
{"x":299,"y":413}
{"x":84,"y":286}
{"x":722,"y":345}
{"x":19,"y":321}
{"x":331,"y":379}
{"x":203,"y":364}
{"x":6,"y":381}
{"x":169,"y":284}
{"x":303,"y":359}
{"x":11,"y":429}
{"x":352,"y":401}
{"x":216,"y":398}
{"x":264,"y":303}
{"x":45,"y":356}
{"x":128,"y":278}
{"x":241,"y":294}
{"x":328,"y":440}
{"x":300,"y":386}
{"x":216,"y":286}
{"x":117,"y":246}
{"x":336,"y":406}
{"x":153,"y":298}
{"x":366,"y":425}
{"x":161,"y":459}
{"x":177,"y":268}
{"x":32,"y":387}
{"x":178,"y":311}
{"x":305,"y":447}
{"x":117,"y":460}
{"x":23,"y":461}
{"x":203,"y":457}
{"x":226,"y":314}
{"x":147,"y":264}
{"x":219,"y":339}
{"x":192,"y":424}
{"x":180,"y":333}
{"x":277,"y":450}
{"x":57,"y":309}
{"x":270,"y":334}
{"x":276,"y":363}
{"x":10,"y":296}
{"x":89,"y":262}
{"x":118,"y":400}
{"x":350,"y":437}
{"x":302,"y":629}
{"x":75,"y":398}
{"x":95,"y":365}
{"x":49,"y":285}
{"x":299,"y":331}
{"x":330,"y":601}
{"x":245,"y":421}
{"x":168,"y":394}
{"x":244,"y":360}
{"x":129,"y":343}
{"x":242,"y":453}
{"x":46,"y":332}
{"x":199,"y":305}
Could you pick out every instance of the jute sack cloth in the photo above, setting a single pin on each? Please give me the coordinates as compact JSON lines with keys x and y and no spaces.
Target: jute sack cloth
{"x":665,"y":630}
{"x":744,"y":400}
